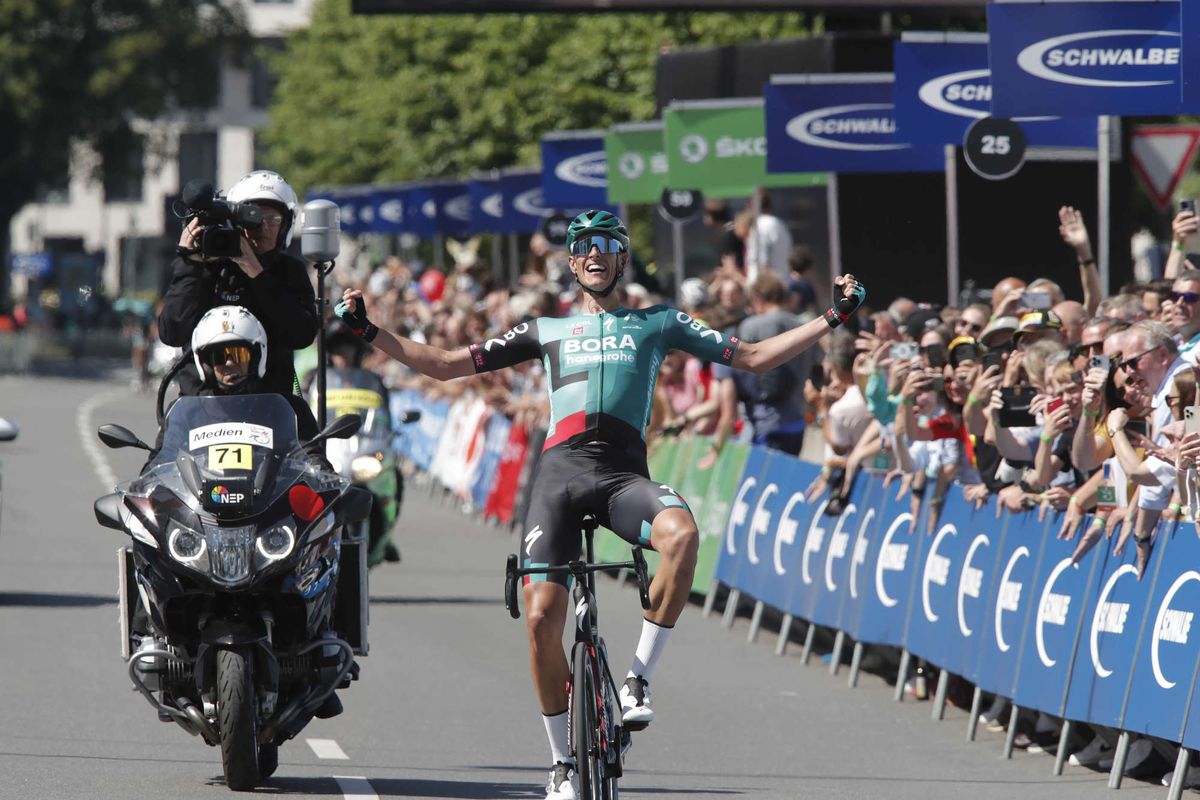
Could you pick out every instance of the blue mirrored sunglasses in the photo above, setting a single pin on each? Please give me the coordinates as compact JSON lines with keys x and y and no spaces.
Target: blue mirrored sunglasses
{"x":605,"y":244}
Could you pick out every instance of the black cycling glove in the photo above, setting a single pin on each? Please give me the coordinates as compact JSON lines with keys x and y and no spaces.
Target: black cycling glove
{"x":356,"y":319}
{"x":843,"y":306}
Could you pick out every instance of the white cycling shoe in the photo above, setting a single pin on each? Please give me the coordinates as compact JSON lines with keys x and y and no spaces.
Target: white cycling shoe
{"x":563,"y":783}
{"x":636,"y":710}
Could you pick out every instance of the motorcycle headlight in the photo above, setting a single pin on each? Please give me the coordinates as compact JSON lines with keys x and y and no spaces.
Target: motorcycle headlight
{"x":185,"y":544}
{"x":365,"y":468}
{"x":277,"y":542}
{"x":230,"y":550}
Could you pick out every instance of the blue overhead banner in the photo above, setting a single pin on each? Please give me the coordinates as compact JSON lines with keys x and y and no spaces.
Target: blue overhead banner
{"x":1190,"y":57}
{"x":574,"y":169}
{"x":487,"y":205}
{"x":1084,"y":59}
{"x":433,"y":208}
{"x":420,"y":211}
{"x":521,"y":195}
{"x":387,"y":206}
{"x":943,"y":84}
{"x":840,"y":123}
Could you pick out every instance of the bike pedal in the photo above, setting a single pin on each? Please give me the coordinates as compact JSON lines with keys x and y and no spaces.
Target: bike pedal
{"x":626,"y":741}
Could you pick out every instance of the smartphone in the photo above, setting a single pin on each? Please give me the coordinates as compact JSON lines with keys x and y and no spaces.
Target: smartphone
{"x":993,"y":358}
{"x":935,"y":355}
{"x":965,"y":352}
{"x":1139,"y":426}
{"x":1191,"y":419}
{"x":903,"y":351}
{"x":1187,"y":204}
{"x":817,"y":376}
{"x":1100,"y":362}
{"x":1015,"y":411}
{"x":1037,"y":301}
{"x":1054,"y":405}
{"x":937,"y":384}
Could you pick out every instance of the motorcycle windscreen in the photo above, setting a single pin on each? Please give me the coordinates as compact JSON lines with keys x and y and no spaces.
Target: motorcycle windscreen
{"x":357,"y":391}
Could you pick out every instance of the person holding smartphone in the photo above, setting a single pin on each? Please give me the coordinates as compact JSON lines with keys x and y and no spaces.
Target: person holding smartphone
{"x":1052,"y":468}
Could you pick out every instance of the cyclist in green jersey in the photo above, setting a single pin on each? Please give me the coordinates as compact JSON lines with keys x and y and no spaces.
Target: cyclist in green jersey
{"x":601,"y":364}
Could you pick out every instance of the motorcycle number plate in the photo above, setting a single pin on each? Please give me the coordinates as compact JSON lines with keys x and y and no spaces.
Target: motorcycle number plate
{"x":225,"y":457}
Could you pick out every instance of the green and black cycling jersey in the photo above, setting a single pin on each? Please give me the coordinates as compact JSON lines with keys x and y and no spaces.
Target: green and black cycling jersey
{"x":602,"y":368}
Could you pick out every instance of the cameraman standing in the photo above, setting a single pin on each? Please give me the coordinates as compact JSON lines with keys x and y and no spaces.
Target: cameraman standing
{"x":269,"y":283}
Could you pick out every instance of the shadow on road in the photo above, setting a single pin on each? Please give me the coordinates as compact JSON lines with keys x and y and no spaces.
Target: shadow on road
{"x":407,"y":787}
{"x":435,"y":601}
{"x":55,"y":600}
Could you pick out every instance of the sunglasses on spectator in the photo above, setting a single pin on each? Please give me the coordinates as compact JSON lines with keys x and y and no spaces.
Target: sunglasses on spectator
{"x":1183,"y":297}
{"x":220,"y":356}
{"x":973,"y":327}
{"x":605,"y":244}
{"x":1129,"y":363}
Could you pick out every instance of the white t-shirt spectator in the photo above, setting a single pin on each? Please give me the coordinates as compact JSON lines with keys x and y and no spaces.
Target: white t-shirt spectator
{"x":848,"y":420}
{"x":768,"y":246}
{"x":1156,"y":498}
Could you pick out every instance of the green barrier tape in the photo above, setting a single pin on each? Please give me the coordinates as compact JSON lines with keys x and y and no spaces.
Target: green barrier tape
{"x":722,"y":485}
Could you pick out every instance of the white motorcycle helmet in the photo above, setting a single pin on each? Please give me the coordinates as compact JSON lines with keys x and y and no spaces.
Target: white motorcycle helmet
{"x":225,"y":325}
{"x":266,"y":186}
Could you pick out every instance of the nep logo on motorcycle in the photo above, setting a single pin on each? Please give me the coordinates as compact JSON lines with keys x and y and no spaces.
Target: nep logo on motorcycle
{"x":222,"y":495}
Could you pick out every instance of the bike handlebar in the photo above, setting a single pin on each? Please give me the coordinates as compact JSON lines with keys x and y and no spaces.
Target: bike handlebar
{"x":578,"y":569}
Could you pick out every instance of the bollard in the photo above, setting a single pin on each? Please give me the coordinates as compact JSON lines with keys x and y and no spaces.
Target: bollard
{"x":836,"y":656}
{"x":785,"y":629}
{"x":855,"y":665}
{"x":1060,"y":757}
{"x":1012,"y":731}
{"x":1179,"y":776}
{"x":731,"y":604}
{"x":973,"y":720}
{"x":902,"y":674}
{"x":755,"y":621}
{"x":809,"y":635}
{"x":710,"y":599}
{"x":939,"y":698}
{"x":1119,"y":758}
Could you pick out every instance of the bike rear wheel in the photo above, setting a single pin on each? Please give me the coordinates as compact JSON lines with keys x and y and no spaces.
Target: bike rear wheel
{"x":585,"y":727}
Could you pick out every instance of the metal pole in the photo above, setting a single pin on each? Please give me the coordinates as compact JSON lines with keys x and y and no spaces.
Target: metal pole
{"x":322,"y":363}
{"x":1119,"y":758}
{"x":1011,"y":738}
{"x":785,"y":629}
{"x":1060,"y":758}
{"x":973,"y":722}
{"x":731,"y":604}
{"x":514,"y":270}
{"x":809,"y":635}
{"x":902,"y":675}
{"x":939,"y":697}
{"x":952,"y":276}
{"x":1103,"y":187}
{"x":855,"y":665}
{"x":835,"y":661}
{"x":1179,"y":776}
{"x":835,"y":226}
{"x":497,"y":267}
{"x":677,"y":244}
{"x":711,"y":598}
{"x":755,"y":621}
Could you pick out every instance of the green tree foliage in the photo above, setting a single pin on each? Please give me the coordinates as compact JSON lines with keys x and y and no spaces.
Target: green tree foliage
{"x":377,"y":98}
{"x":83,"y":70}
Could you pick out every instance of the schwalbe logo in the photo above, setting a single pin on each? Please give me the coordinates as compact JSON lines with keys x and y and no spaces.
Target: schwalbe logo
{"x":585,"y":169}
{"x":530,"y":203}
{"x":1033,"y":59}
{"x":459,"y":208}
{"x":493,"y":205}
{"x":799,"y":128}
{"x":392,"y":211}
{"x":429,"y":209}
{"x":933,"y":92}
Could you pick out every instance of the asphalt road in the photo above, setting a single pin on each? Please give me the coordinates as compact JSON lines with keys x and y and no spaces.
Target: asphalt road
{"x":444,"y":708}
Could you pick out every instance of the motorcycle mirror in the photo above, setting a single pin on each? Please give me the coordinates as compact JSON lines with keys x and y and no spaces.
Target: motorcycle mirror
{"x":358,"y":504}
{"x":410,"y":416}
{"x":108,"y":511}
{"x":115,"y":436}
{"x":8,"y":431}
{"x":342,"y":427}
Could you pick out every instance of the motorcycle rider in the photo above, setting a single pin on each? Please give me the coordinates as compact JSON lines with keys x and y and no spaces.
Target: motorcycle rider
{"x":265,"y":280}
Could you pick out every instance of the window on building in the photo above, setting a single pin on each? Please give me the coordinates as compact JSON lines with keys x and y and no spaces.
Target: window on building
{"x":125,"y":170}
{"x":262,"y":79}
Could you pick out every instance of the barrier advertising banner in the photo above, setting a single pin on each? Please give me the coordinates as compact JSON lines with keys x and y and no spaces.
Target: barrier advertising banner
{"x":714,"y":510}
{"x":943,"y":84}
{"x":639,"y":165}
{"x":487,"y":205}
{"x":574,"y":169}
{"x":840,"y":123}
{"x":521,"y":199}
{"x":1084,"y":58}
{"x":720,"y":148}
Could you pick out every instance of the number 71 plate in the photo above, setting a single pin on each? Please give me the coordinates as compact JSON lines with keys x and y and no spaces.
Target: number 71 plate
{"x":229,"y":456}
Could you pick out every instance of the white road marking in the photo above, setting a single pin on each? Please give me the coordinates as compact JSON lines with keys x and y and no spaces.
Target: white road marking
{"x":355,"y":787}
{"x":87,"y":435}
{"x":327,"y":748}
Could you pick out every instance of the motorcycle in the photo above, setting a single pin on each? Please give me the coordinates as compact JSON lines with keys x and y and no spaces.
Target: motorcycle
{"x":256,"y":605}
{"x":8,"y":432}
{"x":368,"y":459}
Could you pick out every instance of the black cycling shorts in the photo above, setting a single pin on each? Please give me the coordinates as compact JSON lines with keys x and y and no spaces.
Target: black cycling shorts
{"x":597,"y":479}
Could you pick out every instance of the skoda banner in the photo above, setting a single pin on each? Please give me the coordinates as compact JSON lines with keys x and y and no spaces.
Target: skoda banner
{"x":521,"y":199}
{"x":943,"y":84}
{"x":840,"y":123}
{"x":639,"y":172}
{"x":720,"y":148}
{"x":1119,"y":58}
{"x":574,"y":169}
{"x":487,"y":205}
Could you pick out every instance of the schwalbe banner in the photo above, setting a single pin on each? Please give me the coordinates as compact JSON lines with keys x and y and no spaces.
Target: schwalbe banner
{"x":574,"y":170}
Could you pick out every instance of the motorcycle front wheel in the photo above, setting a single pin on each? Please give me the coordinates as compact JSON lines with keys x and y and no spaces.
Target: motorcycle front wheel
{"x":237,"y":719}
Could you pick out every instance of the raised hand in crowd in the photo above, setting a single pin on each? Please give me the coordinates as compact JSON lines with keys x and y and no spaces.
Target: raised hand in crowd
{"x":986,"y":383}
{"x":1183,"y":227}
{"x":1075,"y":233}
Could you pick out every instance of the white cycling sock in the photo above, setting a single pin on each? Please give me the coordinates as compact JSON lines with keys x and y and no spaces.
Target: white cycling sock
{"x":649,"y":649}
{"x":556,"y":732}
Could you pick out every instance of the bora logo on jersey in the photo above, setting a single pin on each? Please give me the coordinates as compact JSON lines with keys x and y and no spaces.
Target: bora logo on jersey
{"x":609,"y":349}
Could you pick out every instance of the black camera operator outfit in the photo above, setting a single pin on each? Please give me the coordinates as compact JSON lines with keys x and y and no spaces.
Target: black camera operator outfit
{"x":281,"y":297}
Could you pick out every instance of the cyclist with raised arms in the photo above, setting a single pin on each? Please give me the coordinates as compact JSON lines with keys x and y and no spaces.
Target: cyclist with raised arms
{"x":602,"y":364}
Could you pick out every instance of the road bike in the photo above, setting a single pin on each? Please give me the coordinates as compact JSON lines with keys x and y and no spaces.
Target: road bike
{"x":596,"y":736}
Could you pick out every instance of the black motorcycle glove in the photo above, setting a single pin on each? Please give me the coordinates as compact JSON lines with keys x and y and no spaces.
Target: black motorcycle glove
{"x":844,"y":306}
{"x":356,"y":320}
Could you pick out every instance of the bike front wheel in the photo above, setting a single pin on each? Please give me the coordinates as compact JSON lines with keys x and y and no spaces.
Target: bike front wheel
{"x":586,"y":736}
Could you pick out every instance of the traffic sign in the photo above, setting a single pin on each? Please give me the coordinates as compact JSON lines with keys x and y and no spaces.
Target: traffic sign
{"x":1161,"y":155}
